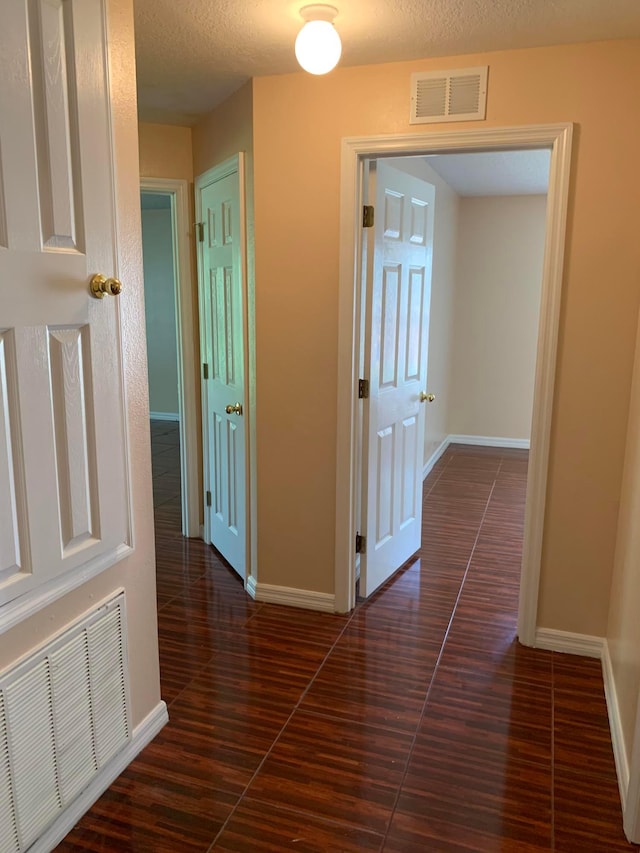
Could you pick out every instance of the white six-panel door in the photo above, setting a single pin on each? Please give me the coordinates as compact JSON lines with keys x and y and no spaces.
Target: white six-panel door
{"x":221,"y":269}
{"x":63,"y":484}
{"x":398,"y":297}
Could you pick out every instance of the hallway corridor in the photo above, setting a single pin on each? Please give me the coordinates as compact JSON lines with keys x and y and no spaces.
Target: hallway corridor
{"x":415,"y":723}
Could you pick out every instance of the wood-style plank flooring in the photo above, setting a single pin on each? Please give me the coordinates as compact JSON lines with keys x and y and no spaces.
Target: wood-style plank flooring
{"x":416,"y":723}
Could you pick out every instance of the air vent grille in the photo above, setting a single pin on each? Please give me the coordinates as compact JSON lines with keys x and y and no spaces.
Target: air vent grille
{"x":459,"y":95}
{"x":64,"y":713}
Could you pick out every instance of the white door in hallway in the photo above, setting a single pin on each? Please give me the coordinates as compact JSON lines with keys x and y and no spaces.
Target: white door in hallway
{"x":221,"y":263}
{"x":398,"y":298}
{"x":64,"y":493}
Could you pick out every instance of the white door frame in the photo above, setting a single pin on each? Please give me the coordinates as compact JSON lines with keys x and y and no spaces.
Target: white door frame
{"x":236,"y":163}
{"x":355,"y":151}
{"x":178,"y":191}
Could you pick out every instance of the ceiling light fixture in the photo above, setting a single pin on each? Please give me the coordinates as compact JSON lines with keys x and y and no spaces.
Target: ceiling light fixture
{"x":318,"y":45}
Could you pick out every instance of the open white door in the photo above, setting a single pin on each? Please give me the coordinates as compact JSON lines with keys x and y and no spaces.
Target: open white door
{"x":221,"y":275}
{"x":398,"y":297}
{"x":63,"y":483}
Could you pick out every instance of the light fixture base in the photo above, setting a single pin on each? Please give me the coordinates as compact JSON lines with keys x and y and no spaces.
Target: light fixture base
{"x":318,"y":12}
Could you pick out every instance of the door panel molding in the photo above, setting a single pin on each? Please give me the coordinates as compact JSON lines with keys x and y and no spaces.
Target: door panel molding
{"x":178,"y":191}
{"x":355,"y":152}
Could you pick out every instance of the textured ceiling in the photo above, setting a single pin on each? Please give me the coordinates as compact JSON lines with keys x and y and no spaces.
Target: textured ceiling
{"x":193,"y":53}
{"x":495,"y":172}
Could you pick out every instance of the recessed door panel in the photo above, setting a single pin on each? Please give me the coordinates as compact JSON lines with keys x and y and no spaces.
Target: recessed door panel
{"x":390,"y":325}
{"x":393,"y":212}
{"x":55,"y":97}
{"x":12,"y":538}
{"x":75,"y":440}
{"x":408,"y":471}
{"x":415,"y":324}
{"x":419,"y":229}
{"x":384,"y":503}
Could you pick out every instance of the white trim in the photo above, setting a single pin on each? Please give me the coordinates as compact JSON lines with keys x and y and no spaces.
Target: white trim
{"x":569,"y":643}
{"x":550,"y":299}
{"x":164,"y":416}
{"x":178,"y":191}
{"x":21,"y":608}
{"x":431,"y":461}
{"x":355,"y":151}
{"x":627,"y":770}
{"x":615,"y":724}
{"x":143,"y":734}
{"x":490,"y":441}
{"x":290,"y":596}
{"x":475,"y":440}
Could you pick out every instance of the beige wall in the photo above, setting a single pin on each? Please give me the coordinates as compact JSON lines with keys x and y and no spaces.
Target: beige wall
{"x":623,"y":633}
{"x":165,"y":151}
{"x":224,"y":131}
{"x":298,"y":124}
{"x":136,"y":574}
{"x":499,"y":276}
{"x":443,"y":281}
{"x":160,"y":311}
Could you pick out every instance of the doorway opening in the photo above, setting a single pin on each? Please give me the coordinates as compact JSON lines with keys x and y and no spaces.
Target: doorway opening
{"x":357,"y":154}
{"x":170,"y":348}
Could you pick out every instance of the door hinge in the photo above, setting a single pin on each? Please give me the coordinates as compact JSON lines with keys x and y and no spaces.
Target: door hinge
{"x":361,"y":544}
{"x":205,"y":370}
{"x":367,"y":216}
{"x":200,"y":230}
{"x":208,"y":498}
{"x":363,"y":389}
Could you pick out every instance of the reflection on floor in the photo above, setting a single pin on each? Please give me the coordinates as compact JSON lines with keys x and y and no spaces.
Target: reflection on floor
{"x":417,"y":723}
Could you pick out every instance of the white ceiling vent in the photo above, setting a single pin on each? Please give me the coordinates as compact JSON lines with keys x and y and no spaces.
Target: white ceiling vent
{"x":459,"y":95}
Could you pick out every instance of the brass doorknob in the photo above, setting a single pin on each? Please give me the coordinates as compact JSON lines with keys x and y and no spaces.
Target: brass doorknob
{"x":427,"y":398}
{"x":101,"y":286}
{"x":234,"y":410}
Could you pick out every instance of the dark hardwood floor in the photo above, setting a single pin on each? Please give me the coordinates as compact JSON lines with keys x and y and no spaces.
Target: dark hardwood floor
{"x":416,"y":723}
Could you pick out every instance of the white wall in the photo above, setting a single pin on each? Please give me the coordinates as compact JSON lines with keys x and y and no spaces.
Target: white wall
{"x":497,"y":299}
{"x":441,"y":320}
{"x":159,"y":297}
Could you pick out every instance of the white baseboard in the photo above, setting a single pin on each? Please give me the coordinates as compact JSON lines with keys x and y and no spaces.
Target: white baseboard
{"x":431,"y":461}
{"x":490,"y":441}
{"x":478,"y":441}
{"x":164,"y":416}
{"x":569,"y":643}
{"x":143,"y":734}
{"x":595,"y":647}
{"x":615,"y":725}
{"x":290,"y":596}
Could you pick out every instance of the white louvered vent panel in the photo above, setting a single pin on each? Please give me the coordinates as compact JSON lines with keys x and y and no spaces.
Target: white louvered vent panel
{"x":464,"y":94}
{"x":431,"y":97}
{"x":8,"y":829}
{"x":73,"y":718}
{"x":64,"y":712}
{"x":458,"y":95}
{"x":30,"y":729}
{"x":108,"y":688}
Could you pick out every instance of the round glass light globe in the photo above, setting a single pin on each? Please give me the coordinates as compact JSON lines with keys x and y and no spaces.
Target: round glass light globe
{"x":318,"y":47}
